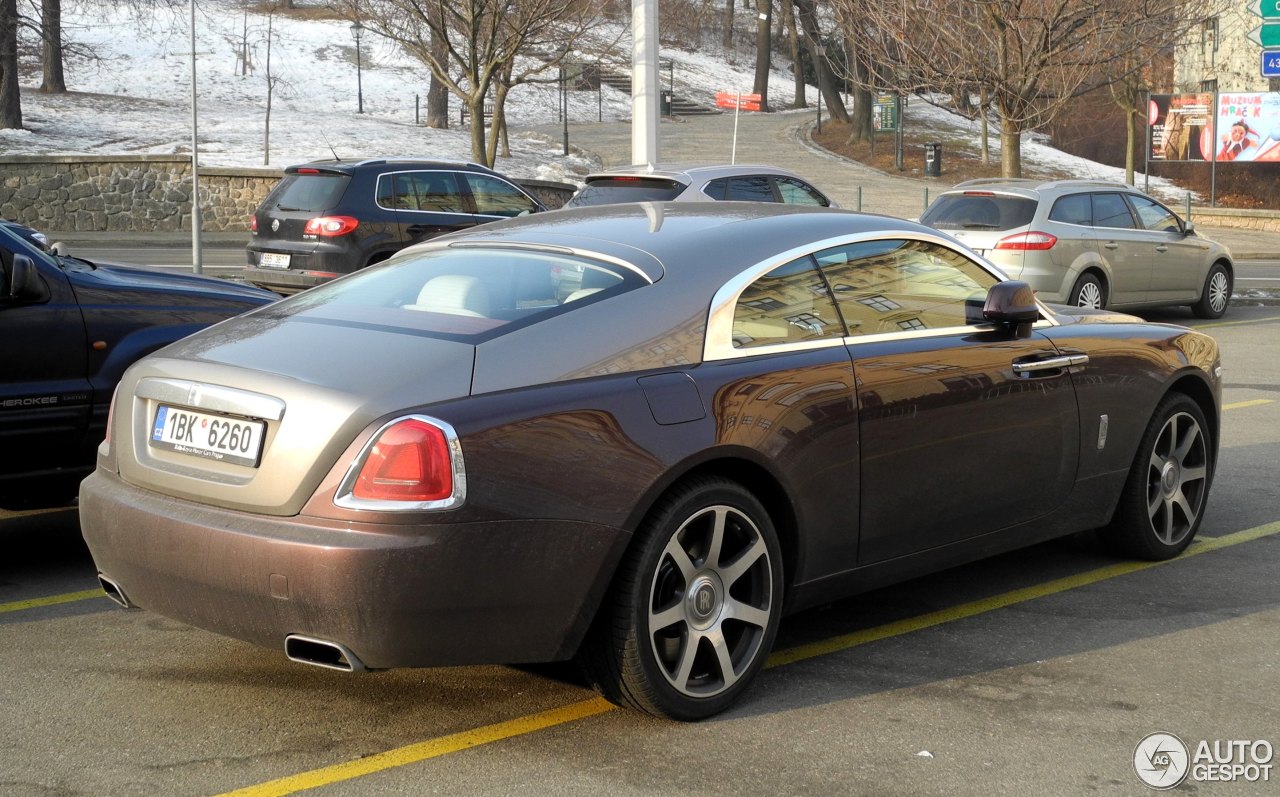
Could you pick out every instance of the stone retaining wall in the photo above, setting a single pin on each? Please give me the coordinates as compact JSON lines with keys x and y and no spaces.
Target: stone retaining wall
{"x":1265,"y":220}
{"x":147,"y":193}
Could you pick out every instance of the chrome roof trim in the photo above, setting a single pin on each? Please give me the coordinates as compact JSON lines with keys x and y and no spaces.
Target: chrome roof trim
{"x":718,"y":344}
{"x":589,"y":254}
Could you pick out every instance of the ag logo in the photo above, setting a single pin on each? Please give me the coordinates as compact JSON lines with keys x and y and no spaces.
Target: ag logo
{"x":1160,"y":761}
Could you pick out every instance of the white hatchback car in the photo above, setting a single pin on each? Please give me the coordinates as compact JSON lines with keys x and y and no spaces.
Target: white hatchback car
{"x":1088,"y":243}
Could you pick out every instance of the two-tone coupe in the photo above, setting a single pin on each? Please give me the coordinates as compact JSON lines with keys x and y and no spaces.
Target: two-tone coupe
{"x":636,"y":435}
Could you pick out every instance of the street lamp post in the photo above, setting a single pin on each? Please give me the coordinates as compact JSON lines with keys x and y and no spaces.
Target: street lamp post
{"x":356,"y":31}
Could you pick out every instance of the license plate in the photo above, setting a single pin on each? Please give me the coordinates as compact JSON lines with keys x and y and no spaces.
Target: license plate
{"x":210,"y":436}
{"x":273,"y":260}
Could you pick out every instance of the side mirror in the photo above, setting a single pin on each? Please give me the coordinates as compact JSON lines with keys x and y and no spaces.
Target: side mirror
{"x":25,"y":283}
{"x":1188,"y":228}
{"x":1012,"y":304}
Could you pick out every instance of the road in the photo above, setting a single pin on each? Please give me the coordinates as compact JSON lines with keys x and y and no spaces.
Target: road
{"x":1036,"y":672}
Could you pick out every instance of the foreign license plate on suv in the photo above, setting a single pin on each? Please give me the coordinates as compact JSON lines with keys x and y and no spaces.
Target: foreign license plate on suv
{"x":210,"y":436}
{"x":273,"y":260}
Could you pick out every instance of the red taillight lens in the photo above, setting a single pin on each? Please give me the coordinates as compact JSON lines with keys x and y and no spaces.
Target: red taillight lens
{"x":410,"y":461}
{"x":330,"y":226}
{"x":1028,"y":241}
{"x":253,"y":224}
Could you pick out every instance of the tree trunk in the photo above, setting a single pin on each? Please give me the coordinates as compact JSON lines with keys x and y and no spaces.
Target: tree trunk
{"x":764,"y":45}
{"x":10,"y":97}
{"x":51,"y":57}
{"x":498,"y":131}
{"x":728,"y":24}
{"x":830,"y":92}
{"x":437,"y":91}
{"x":797,"y":65}
{"x":1010,"y":149}
{"x":863,"y":101}
{"x":479,"y":148}
{"x":984,"y":103}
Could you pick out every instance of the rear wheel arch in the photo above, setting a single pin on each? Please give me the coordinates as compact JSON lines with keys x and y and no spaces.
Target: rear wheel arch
{"x":1099,"y":274}
{"x":758,"y":480}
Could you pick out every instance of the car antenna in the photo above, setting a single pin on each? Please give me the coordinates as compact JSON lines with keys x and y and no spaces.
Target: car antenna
{"x":330,"y":146}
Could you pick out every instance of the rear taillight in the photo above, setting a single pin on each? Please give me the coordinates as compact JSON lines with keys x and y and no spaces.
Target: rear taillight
{"x":1028,"y":241}
{"x":330,"y":226}
{"x":412,"y":463}
{"x":253,"y":224}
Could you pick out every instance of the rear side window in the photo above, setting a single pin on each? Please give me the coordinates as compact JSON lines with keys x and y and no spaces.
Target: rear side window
{"x":308,"y":192}
{"x":1074,"y":209}
{"x":612,"y":190}
{"x":795,"y":192}
{"x":496,"y":197}
{"x":979,"y":210}
{"x":753,"y":188}
{"x":1110,"y":210}
{"x":790,"y":304}
{"x":469,"y":294}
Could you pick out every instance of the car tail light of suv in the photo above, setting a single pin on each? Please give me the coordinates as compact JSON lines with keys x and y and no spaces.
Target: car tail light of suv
{"x":330,"y":226}
{"x":1027,"y":242}
{"x":412,"y":463}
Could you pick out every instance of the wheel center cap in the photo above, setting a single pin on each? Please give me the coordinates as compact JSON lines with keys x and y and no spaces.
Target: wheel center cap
{"x":1170,"y":477}
{"x":704,"y":600}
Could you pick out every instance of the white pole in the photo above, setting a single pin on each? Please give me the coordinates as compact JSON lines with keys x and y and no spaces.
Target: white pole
{"x":196,"y":264}
{"x":644,"y":81}
{"x":737,"y":109}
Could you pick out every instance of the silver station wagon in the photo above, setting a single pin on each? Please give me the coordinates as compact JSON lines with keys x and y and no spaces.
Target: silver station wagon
{"x":1088,"y":243}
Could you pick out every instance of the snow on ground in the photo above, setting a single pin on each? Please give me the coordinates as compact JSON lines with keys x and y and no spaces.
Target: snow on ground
{"x":135,"y":99}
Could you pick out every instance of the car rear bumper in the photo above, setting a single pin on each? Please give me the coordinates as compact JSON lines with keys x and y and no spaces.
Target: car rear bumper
{"x":285,"y":280}
{"x":396,"y":596}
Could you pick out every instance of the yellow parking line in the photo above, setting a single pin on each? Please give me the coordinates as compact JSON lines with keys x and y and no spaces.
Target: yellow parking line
{"x":1217,"y":324}
{"x":1239,"y":405}
{"x":421,"y":751}
{"x":52,"y":600}
{"x":434,"y":748}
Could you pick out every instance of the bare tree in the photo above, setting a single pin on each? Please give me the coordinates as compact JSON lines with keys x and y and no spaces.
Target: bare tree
{"x":797,"y":65}
{"x":764,"y":45}
{"x":10,"y":97}
{"x":1031,"y":56}
{"x":480,"y":39}
{"x":51,"y":47}
{"x":818,"y":56}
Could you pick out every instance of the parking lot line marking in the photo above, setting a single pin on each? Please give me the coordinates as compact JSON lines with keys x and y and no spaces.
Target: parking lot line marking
{"x":466,"y":740}
{"x":1239,"y":405}
{"x":985,"y":605}
{"x":432,"y":748}
{"x":51,"y":600}
{"x":1244,"y":322}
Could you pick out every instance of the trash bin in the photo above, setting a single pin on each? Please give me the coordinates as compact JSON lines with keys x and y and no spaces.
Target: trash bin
{"x":933,"y":159}
{"x":664,"y":103}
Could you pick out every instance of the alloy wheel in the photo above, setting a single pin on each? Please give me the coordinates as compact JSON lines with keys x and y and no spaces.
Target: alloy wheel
{"x":1177,"y":478}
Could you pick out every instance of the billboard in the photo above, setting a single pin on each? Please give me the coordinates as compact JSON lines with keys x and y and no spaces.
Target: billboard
{"x":1248,"y":128}
{"x":1181,"y":126}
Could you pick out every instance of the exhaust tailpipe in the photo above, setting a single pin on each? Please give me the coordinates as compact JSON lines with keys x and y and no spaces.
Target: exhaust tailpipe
{"x":321,"y":653}
{"x":114,"y":592}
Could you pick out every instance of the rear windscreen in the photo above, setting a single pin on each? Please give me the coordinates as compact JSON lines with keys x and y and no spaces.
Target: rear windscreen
{"x":467,"y":294}
{"x":310,"y":192}
{"x":979,"y":211}
{"x":613,"y":190}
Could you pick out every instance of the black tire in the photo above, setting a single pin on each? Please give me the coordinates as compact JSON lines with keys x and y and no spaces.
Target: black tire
{"x":1164,"y":498}
{"x":669,"y":575}
{"x":1088,"y":292}
{"x":1216,"y":294}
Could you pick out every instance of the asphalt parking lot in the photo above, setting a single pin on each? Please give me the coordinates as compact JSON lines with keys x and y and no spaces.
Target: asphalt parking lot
{"x":1037,"y":672}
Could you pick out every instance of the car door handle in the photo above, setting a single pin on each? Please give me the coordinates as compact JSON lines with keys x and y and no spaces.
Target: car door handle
{"x":1111,"y":245}
{"x":1030,"y":366}
{"x":1162,"y":248}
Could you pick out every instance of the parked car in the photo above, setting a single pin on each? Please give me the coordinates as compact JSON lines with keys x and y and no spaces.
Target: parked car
{"x":744,"y":183}
{"x":1088,"y":243}
{"x":750,"y":410}
{"x":329,"y":218}
{"x":70,"y":329}
{"x":29,"y":234}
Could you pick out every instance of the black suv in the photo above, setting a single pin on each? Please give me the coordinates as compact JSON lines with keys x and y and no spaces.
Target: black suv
{"x":329,"y":218}
{"x":70,"y":328}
